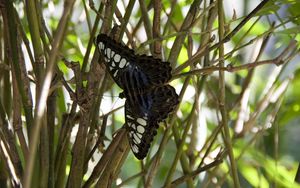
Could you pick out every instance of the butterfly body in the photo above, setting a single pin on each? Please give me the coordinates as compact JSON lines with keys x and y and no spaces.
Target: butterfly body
{"x":149,"y":99}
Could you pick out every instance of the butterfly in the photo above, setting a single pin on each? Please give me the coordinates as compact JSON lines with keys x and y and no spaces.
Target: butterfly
{"x":149,"y":99}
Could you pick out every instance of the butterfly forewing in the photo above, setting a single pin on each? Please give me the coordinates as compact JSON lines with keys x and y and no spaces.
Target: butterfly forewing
{"x":157,"y":72}
{"x":116,"y":56}
{"x":120,"y":59}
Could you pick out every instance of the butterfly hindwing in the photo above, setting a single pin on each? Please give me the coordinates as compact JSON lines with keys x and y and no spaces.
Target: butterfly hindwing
{"x":140,"y":131}
{"x":143,"y":116}
{"x":158,"y":101}
{"x":165,"y":99}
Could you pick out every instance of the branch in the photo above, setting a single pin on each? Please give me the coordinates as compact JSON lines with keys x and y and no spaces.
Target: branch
{"x":196,"y":172}
{"x":229,"y":68}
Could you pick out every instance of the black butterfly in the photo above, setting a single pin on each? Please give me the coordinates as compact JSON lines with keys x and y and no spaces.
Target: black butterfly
{"x":149,"y":99}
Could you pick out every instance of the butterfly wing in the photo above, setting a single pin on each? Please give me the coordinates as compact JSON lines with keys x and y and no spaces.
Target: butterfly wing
{"x":157,"y":71}
{"x":142,"y":116}
{"x":164,"y":100}
{"x":140,"y":132}
{"x":120,"y":59}
{"x":148,"y":99}
{"x":116,"y":56}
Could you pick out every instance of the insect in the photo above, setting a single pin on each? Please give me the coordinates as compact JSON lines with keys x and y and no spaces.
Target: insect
{"x":149,"y":99}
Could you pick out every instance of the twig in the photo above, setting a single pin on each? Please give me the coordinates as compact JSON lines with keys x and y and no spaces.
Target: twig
{"x":142,"y":173}
{"x":186,"y":25}
{"x":146,"y":20}
{"x":241,"y":24}
{"x":156,"y":28}
{"x":215,"y":163}
{"x":208,"y":70}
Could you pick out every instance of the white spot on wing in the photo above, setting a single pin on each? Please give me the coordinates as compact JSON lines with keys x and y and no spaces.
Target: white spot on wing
{"x":117,"y":58}
{"x":141,"y":121}
{"x":134,"y":141}
{"x":100,"y":46}
{"x":136,"y":138}
{"x":123,"y":63}
{"x":108,"y":50}
{"x":135,"y":149}
{"x":129,"y":117}
{"x":139,"y":135}
{"x":115,"y":74}
{"x":140,"y":129}
{"x":112,"y":54}
{"x":113,"y":63}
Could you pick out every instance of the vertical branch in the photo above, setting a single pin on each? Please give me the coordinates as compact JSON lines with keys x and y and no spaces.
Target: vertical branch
{"x":180,"y":142}
{"x":76,"y":170}
{"x":41,"y":102}
{"x":97,"y":85}
{"x":32,"y":18}
{"x":78,"y":150}
{"x":51,"y":112}
{"x":8,"y":146}
{"x":108,"y":16}
{"x":63,"y":146}
{"x":184,"y":27}
{"x":91,"y":41}
{"x":126,"y":17}
{"x":156,"y":29}
{"x":6,"y":91}
{"x":224,"y":122}
{"x":147,"y":23}
{"x":9,"y":15}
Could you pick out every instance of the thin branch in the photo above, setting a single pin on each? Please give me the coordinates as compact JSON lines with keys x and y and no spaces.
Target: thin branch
{"x":182,"y":179}
{"x":156,"y":28}
{"x":222,"y":101}
{"x":186,"y":25}
{"x":146,"y":20}
{"x":238,"y":27}
{"x":142,"y":173}
{"x":279,"y":60}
